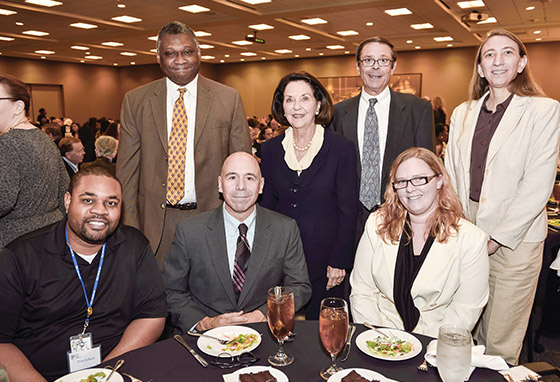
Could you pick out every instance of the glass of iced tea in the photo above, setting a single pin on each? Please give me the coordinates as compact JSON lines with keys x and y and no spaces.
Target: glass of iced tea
{"x":280,"y":314}
{"x":333,"y":329}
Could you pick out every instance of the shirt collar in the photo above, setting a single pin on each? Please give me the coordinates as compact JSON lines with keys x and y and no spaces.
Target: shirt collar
{"x":74,"y":167}
{"x":500,"y":106}
{"x":172,"y":87}
{"x":232,"y":223}
{"x":380,"y":97}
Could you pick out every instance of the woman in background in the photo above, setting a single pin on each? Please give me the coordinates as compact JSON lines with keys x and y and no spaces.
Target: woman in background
{"x":310,"y":175}
{"x":501,"y":156}
{"x":420,"y":264}
{"x":33,"y":179}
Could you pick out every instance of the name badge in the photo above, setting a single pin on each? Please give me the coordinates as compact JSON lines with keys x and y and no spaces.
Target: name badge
{"x":83,"y":354}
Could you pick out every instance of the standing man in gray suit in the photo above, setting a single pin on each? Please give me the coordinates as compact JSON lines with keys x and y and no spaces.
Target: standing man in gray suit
{"x":383,"y":123}
{"x":175,"y":134}
{"x":223,"y":262}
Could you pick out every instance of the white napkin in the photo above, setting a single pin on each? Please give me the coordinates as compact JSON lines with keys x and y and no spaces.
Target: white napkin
{"x":478,"y":358}
{"x":556,"y":264}
{"x":520,"y":373}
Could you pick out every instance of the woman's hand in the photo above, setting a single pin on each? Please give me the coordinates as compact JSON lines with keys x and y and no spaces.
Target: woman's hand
{"x":335,"y":276}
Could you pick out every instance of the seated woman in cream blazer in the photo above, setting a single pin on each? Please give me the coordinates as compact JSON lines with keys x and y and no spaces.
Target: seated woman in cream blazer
{"x":419,"y":264}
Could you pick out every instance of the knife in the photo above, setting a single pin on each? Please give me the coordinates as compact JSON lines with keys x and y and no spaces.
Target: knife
{"x":201,"y":360}
{"x":346,"y":350}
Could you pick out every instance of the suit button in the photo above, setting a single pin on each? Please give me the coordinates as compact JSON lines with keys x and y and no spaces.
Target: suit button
{"x":487,"y":172}
{"x":162,"y":206}
{"x":166,"y":159}
{"x":295,"y":189}
{"x":294,"y":205}
{"x":163,"y":185}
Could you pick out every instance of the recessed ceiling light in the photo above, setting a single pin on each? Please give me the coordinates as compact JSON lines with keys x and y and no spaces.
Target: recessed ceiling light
{"x":83,"y":25}
{"x":132,"y":63}
{"x":82,"y":61}
{"x":226,"y":55}
{"x":334,"y":47}
{"x":207,"y":57}
{"x":537,"y":32}
{"x":308,"y":49}
{"x":19,"y":23}
{"x":320,"y":54}
{"x":299,"y":37}
{"x":255,"y":2}
{"x":121,"y":5}
{"x":297,"y":55}
{"x":398,"y":11}
{"x":531,"y":8}
{"x":347,"y":33}
{"x":261,"y":27}
{"x":242,"y":59}
{"x":449,"y":45}
{"x":35,"y":33}
{"x":263,"y":58}
{"x":79,"y":47}
{"x":470,"y":4}
{"x":112,"y":43}
{"x":115,"y":64}
{"x":443,"y":38}
{"x":346,"y":52}
{"x":222,"y":61}
{"x":489,"y":20}
{"x":126,"y":19}
{"x":206,"y":46}
{"x":200,"y":34}
{"x":283,"y":51}
{"x":417,"y":47}
{"x":2,"y":38}
{"x":153,"y":50}
{"x":5,"y":12}
{"x":130,"y":54}
{"x":94,"y":57}
{"x":369,"y":24}
{"x":314,"y":21}
{"x":538,"y":39}
{"x":87,"y":53}
{"x":242,"y":42}
{"x":44,"y":3}
{"x":194,"y":8}
{"x":248,"y":54}
{"x":43,"y":57}
{"x":153,"y":38}
{"x":409,"y":41}
{"x":422,"y":26}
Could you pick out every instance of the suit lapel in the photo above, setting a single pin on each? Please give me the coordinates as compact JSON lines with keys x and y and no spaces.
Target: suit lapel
{"x":158,"y":103}
{"x":259,"y":253}
{"x":216,"y":241}
{"x":395,"y":129}
{"x":509,"y":122}
{"x":203,"y":101}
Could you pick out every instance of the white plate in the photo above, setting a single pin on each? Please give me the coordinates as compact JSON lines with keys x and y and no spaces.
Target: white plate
{"x":83,"y":374}
{"x":369,"y":374}
{"x":281,"y":377}
{"x":213,"y":347}
{"x":370,"y":335}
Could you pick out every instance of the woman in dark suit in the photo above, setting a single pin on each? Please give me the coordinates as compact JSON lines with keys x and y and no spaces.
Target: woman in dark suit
{"x":310,"y":175}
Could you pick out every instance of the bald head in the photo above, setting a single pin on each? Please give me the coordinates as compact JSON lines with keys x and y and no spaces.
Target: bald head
{"x":240,"y":184}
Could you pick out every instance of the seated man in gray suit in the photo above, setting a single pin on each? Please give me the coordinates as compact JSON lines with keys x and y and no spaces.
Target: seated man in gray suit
{"x":222,"y":262}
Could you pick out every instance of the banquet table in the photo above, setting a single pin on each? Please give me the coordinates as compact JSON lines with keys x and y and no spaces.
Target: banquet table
{"x":168,"y":361}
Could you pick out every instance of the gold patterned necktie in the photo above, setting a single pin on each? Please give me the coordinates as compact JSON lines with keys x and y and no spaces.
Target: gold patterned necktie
{"x":176,"y":154}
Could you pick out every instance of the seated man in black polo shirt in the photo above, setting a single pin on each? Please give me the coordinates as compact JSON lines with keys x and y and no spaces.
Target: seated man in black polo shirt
{"x":82,"y":282}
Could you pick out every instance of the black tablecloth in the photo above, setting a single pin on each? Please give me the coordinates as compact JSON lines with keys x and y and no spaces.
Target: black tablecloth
{"x":168,"y":361}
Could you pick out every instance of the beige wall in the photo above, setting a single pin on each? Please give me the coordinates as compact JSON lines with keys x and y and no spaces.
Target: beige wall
{"x":92,"y":90}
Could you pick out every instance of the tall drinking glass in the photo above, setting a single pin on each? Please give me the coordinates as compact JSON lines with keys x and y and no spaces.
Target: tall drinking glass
{"x":453,"y":353}
{"x":333,"y":329}
{"x":556,"y":195}
{"x":280,"y":313}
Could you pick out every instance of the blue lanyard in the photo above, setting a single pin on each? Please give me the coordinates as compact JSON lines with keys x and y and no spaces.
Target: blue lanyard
{"x":89,"y":302}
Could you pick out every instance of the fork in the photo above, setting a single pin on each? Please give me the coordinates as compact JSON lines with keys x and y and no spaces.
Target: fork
{"x":132,"y":379}
{"x":421,"y":367}
{"x":195,"y":334}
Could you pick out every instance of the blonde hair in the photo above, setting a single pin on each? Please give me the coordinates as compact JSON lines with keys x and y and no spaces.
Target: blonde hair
{"x":105,"y":146}
{"x":523,"y":84}
{"x":392,"y":214}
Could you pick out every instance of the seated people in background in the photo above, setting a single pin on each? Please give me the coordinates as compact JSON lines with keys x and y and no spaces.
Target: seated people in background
{"x":265,"y":133}
{"x":222,"y":262}
{"x":420,"y":264}
{"x":105,"y":149}
{"x":43,"y":302}
{"x":442,"y":135}
{"x":72,"y":152}
{"x":53,"y":131}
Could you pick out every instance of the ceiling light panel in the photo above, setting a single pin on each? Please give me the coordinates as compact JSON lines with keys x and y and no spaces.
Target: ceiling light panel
{"x":283,"y":51}
{"x":261,"y":27}
{"x":299,"y":37}
{"x":248,"y":54}
{"x":206,"y":46}
{"x":422,"y":26}
{"x":314,"y":21}
{"x":398,"y":12}
{"x":207,"y":57}
{"x":6,"y":12}
{"x":79,"y":47}
{"x":112,"y":43}
{"x":470,"y":4}
{"x":35,"y":33}
{"x":44,"y":52}
{"x":489,"y":20}
{"x":2,"y":38}
{"x":335,"y":47}
{"x":255,"y":2}
{"x":194,"y":8}
{"x":348,"y":33}
{"x":44,"y":3}
{"x":83,"y":25}
{"x":443,"y":38}
{"x":94,"y":57}
{"x":242,"y":42}
{"x":199,"y":34}
{"x":129,"y":54}
{"x":126,"y":19}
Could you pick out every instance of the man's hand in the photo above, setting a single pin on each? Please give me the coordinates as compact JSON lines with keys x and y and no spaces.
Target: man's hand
{"x":492,"y":247}
{"x":226,"y":319}
{"x":335,"y":276}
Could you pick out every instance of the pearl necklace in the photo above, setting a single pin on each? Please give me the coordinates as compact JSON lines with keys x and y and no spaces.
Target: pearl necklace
{"x":301,"y":149}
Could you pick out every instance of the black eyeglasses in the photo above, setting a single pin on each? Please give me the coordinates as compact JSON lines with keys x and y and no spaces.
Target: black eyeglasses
{"x":383,"y":61}
{"x":228,"y":361}
{"x":10,"y":98}
{"x":418,"y":181}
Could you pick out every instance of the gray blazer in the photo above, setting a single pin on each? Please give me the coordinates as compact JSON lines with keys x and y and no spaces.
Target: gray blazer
{"x":196,"y":271}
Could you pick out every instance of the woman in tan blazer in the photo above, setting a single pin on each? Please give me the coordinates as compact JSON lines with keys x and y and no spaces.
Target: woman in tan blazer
{"x":501,"y":157}
{"x":419,"y":264}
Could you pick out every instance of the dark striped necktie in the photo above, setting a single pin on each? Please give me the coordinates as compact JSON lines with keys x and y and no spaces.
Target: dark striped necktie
{"x":242,"y":254}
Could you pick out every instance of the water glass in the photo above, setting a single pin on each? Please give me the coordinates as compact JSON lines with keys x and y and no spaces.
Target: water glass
{"x":453,"y":353}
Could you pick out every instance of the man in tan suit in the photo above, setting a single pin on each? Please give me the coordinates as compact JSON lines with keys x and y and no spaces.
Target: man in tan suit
{"x":214,"y":126}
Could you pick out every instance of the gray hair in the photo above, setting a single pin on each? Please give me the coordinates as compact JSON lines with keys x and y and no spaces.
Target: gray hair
{"x":105,"y":146}
{"x":175,"y":27}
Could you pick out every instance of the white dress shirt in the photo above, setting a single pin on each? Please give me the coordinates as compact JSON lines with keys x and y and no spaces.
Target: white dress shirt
{"x":74,"y":167}
{"x":382,"y":111}
{"x":190,"y":105}
{"x":231,"y":225}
